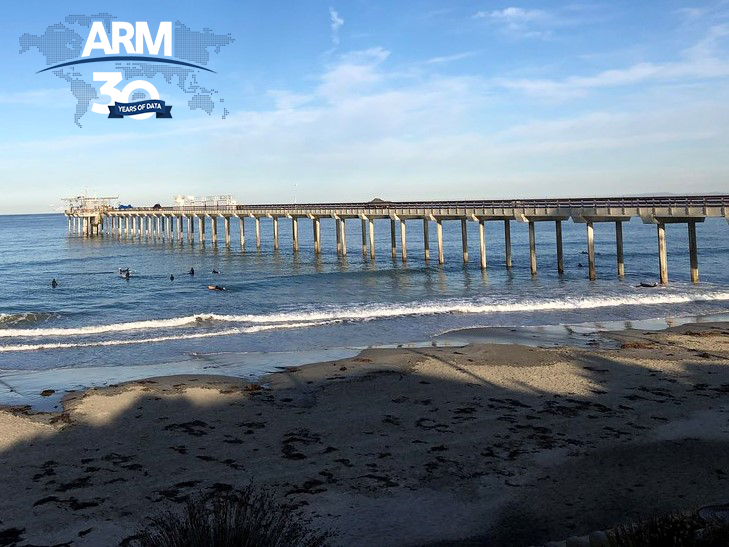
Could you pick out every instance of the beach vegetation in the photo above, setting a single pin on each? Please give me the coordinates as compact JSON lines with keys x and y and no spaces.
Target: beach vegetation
{"x":246,"y":518}
{"x":672,"y":530}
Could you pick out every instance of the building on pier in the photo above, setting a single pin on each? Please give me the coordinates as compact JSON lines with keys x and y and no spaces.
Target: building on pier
{"x":178,"y":222}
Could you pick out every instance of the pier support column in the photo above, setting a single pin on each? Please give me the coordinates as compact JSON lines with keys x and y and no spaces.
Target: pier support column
{"x":338,"y":235}
{"x":201,"y":223}
{"x":316,"y":224}
{"x":560,"y":255}
{"x":343,"y":236}
{"x":693,"y":252}
{"x":364,"y":237}
{"x":242,"y":232}
{"x":439,"y":232}
{"x":464,"y":239}
{"x":507,"y":243}
{"x":591,"y":252}
{"x":226,"y":222}
{"x":275,"y":233}
{"x":372,"y":238}
{"x":393,"y":242}
{"x":295,"y":233}
{"x":426,"y":239}
{"x":662,"y":256}
{"x":258,"y":232}
{"x":403,"y":241}
{"x":532,"y":248}
{"x":619,"y":248}
{"x":126,"y":226}
{"x":214,"y":229}
{"x":180,"y":229}
{"x":191,"y":228}
{"x":160,"y":228}
{"x":482,"y":242}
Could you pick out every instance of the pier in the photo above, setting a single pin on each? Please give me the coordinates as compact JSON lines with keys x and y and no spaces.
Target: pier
{"x":96,"y":216}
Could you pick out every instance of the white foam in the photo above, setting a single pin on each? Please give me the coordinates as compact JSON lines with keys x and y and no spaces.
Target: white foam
{"x":149,"y":324}
{"x":128,"y":342}
{"x":380,"y":311}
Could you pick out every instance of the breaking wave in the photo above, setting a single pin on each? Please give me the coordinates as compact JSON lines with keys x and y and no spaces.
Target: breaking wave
{"x":353,"y":313}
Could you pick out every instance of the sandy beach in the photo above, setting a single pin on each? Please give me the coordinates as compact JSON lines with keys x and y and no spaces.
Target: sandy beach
{"x":488,"y":444}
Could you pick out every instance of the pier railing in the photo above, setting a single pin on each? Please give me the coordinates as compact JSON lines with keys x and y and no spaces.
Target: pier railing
{"x":551,"y":203}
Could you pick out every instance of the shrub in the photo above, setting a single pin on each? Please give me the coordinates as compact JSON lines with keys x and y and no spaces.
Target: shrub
{"x":674,"y":530}
{"x":246,"y":518}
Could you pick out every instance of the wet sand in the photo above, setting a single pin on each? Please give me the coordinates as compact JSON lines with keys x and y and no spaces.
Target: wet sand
{"x":488,"y":444}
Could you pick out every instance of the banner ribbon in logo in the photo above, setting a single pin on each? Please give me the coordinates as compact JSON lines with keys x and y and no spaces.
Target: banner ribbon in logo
{"x":119,"y":110}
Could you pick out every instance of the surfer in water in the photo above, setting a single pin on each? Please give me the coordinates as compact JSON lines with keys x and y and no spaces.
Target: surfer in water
{"x":192,"y":271}
{"x":215,"y":272}
{"x":215,"y":288}
{"x":172,"y":277}
{"x":54,"y":283}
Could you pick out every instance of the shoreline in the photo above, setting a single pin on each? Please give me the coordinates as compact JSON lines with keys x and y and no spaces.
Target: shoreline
{"x":24,"y":388}
{"x":409,"y":446}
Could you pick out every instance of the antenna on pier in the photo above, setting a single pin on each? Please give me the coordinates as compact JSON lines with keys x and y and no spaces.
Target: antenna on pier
{"x":86,"y":204}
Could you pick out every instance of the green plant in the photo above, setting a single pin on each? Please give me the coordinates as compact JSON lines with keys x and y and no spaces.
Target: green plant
{"x":245,"y":518}
{"x":673,"y":530}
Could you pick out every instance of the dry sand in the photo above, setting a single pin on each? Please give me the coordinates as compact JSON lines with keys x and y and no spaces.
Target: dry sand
{"x":481,"y":445}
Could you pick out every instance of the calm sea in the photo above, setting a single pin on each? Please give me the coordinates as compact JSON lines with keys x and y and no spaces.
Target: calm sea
{"x":278,"y":302}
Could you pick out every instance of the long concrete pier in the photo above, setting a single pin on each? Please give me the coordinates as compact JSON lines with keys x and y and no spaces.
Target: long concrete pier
{"x":178,"y":223}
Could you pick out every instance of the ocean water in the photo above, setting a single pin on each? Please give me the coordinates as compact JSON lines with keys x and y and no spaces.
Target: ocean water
{"x":278,"y":302}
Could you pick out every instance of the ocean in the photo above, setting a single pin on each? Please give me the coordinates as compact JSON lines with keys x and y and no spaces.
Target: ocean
{"x":281,"y":308}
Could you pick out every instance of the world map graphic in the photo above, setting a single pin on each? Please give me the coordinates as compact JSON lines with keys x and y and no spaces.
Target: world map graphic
{"x":60,"y":43}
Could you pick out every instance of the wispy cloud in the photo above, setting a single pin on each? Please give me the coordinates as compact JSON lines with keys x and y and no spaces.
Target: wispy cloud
{"x":526,"y":23}
{"x":715,"y":11}
{"x":444,"y":59}
{"x":335,"y":23}
{"x":703,"y":61}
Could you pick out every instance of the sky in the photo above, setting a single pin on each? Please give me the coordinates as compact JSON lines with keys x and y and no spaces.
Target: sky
{"x":357,"y":99}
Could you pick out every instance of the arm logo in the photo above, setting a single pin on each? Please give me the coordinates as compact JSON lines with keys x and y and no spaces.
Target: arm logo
{"x":174,"y":54}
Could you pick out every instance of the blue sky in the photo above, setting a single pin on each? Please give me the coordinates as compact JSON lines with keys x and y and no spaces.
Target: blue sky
{"x":349,"y":100}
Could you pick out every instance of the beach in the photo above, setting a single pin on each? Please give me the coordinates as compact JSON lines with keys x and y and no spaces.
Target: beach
{"x":485,"y":444}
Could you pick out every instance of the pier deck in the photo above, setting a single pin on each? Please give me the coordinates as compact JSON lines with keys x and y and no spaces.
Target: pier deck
{"x":178,"y":223}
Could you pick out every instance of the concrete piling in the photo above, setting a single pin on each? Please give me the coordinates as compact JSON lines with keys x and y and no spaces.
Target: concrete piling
{"x":403,"y":241}
{"x":591,"y":252}
{"x":482,"y":242}
{"x":662,"y":254}
{"x":693,"y":252}
{"x":426,"y":239}
{"x":532,"y":248}
{"x":560,"y":255}
{"x":464,"y":239}
{"x":619,"y":248}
